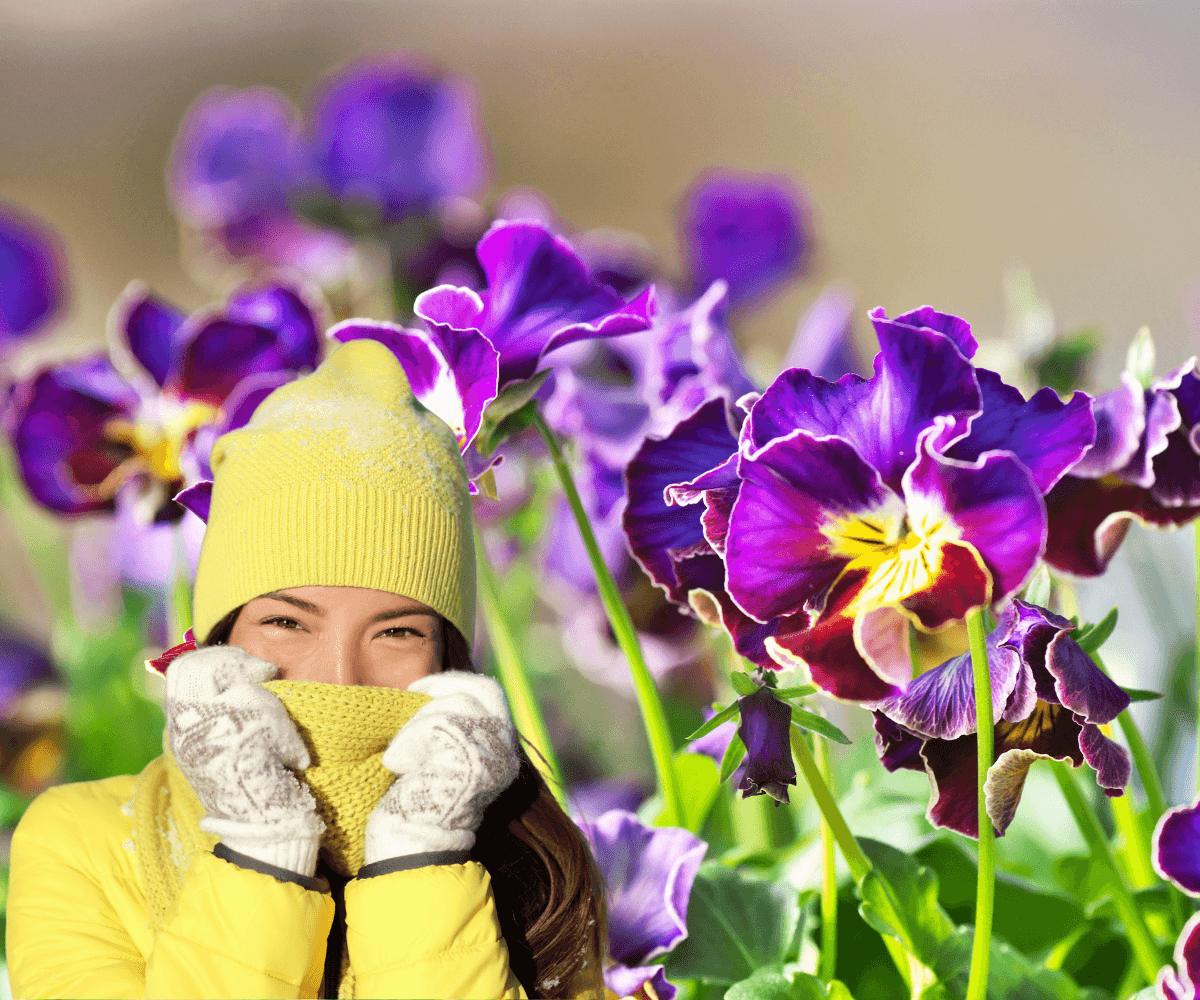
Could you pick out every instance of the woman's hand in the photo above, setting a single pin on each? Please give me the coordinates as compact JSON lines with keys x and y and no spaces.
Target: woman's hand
{"x":453,"y":758}
{"x":234,"y":742}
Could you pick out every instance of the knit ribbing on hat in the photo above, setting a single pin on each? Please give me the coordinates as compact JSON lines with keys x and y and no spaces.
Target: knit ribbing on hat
{"x":340,"y":479}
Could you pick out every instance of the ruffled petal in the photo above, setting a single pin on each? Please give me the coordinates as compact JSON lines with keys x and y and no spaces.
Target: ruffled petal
{"x":1045,"y":434}
{"x":147,"y":328}
{"x":1120,"y":422}
{"x":32,"y":275}
{"x":1180,"y":983}
{"x":1176,"y":852}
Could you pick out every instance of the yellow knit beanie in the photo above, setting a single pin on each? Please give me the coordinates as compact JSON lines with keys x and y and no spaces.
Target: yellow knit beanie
{"x":341,"y":478}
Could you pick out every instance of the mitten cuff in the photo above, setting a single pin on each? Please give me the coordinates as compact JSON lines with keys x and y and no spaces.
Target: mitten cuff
{"x":293,"y":849}
{"x":398,"y":839}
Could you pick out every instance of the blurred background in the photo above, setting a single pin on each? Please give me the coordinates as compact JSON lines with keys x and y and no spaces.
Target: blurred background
{"x":1031,"y":168}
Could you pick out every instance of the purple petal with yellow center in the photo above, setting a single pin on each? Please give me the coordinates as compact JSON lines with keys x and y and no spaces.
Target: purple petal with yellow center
{"x":541,"y":297}
{"x":1120,"y":422}
{"x":765,"y":731}
{"x":32,"y":274}
{"x":1176,"y":845}
{"x":237,"y":153}
{"x":654,"y":529}
{"x":920,"y":377}
{"x":56,"y":421}
{"x":1180,"y":983}
{"x":398,"y":134}
{"x":829,"y":649}
{"x":991,"y":505}
{"x":752,"y":230}
{"x":147,"y":328}
{"x":1047,"y":435}
{"x":275,"y":328}
{"x":649,"y":872}
{"x":807,"y":508}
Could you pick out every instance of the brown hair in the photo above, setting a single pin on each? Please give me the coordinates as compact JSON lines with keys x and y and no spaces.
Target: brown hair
{"x":549,"y":890}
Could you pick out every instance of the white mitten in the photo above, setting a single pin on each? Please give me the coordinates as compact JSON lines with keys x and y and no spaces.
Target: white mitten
{"x":453,"y":758}
{"x":234,"y":742}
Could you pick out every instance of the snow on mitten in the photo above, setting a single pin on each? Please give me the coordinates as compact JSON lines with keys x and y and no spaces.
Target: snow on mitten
{"x":234,"y":742}
{"x":453,"y":759}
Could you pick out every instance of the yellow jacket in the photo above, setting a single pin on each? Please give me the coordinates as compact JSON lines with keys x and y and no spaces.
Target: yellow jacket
{"x":77,"y":924}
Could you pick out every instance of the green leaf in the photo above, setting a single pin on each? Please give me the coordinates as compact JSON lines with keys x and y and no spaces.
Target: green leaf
{"x":1091,"y":639}
{"x":776,"y":983}
{"x":1139,"y":359}
{"x":698,"y":787}
{"x":1026,"y":916}
{"x":509,"y":412}
{"x":1038,"y":590}
{"x":733,"y":756}
{"x":1137,"y":694}
{"x":721,"y":717}
{"x":803,"y":719}
{"x":1064,"y":366}
{"x":1011,"y":976}
{"x":742,"y":683}
{"x":736,"y":926}
{"x":900,"y":899}
{"x":800,"y":691}
{"x":491,"y":436}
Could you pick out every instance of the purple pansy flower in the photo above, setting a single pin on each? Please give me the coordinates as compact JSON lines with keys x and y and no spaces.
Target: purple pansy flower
{"x":590,"y":800}
{"x":473,"y":345}
{"x":32,"y":285}
{"x":649,"y":872}
{"x":1048,"y":698}
{"x":751,"y":230}
{"x":1144,"y":467}
{"x":23,"y":666}
{"x":83,"y":429}
{"x":1176,"y":857}
{"x":397,"y":134}
{"x":840,"y":511}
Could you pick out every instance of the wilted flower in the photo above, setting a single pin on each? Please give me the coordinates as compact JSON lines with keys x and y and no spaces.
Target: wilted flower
{"x":1048,"y":702}
{"x":649,"y":872}
{"x":765,"y":730}
{"x":32,"y":285}
{"x":1176,"y":856}
{"x":1144,"y":467}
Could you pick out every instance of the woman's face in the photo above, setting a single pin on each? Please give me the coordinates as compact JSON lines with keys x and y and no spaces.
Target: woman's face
{"x":341,"y":635}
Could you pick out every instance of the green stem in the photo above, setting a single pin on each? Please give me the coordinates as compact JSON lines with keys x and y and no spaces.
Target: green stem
{"x":513,"y":676}
{"x":1145,"y":951}
{"x":654,"y":718}
{"x":858,"y":863}
{"x":984,"y":898}
{"x":829,"y":886}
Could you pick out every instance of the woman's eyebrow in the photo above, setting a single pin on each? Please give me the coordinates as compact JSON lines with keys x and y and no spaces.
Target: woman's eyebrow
{"x":400,"y":613}
{"x":297,"y":602}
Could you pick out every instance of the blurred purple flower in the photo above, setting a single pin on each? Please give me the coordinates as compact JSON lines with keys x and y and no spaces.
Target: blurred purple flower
{"x":238,"y":155}
{"x":397,"y":134}
{"x":824,"y":338}
{"x":1049,"y":700}
{"x":649,"y":873}
{"x":1144,"y":467}
{"x":1176,"y":856}
{"x":752,"y":230}
{"x":23,"y":666}
{"x":32,"y":282}
{"x":81,"y":430}
{"x":590,"y":800}
{"x":765,"y":728}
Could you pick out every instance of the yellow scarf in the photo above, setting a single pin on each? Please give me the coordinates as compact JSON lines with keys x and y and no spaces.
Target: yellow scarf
{"x":346,"y":729}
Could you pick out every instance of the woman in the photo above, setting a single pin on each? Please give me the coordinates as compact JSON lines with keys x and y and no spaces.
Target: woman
{"x":342,"y":807}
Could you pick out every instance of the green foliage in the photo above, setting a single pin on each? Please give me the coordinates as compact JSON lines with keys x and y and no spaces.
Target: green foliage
{"x":742,"y":683}
{"x":698,"y":788}
{"x":1038,"y":589}
{"x":1027,"y":917}
{"x":510,"y":412}
{"x":112,"y":727}
{"x":734,"y":754}
{"x":1137,"y":694}
{"x":1011,"y":976}
{"x":863,"y":963}
{"x":1140,"y":358}
{"x":1063,"y":366}
{"x":802,"y":719}
{"x":736,"y":926}
{"x":720,"y":718}
{"x":776,"y":983}
{"x":1092,"y":637}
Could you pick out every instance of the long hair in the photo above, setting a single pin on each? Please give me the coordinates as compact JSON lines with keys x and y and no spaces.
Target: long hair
{"x":549,"y":891}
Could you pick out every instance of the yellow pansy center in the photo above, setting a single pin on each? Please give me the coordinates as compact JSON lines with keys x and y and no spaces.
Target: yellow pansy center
{"x":159,"y":433}
{"x":900,"y":547}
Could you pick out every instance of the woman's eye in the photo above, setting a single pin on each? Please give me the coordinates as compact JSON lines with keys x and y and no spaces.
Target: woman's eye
{"x":401,"y":630}
{"x":281,"y":621}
